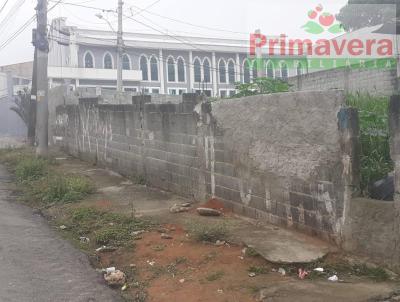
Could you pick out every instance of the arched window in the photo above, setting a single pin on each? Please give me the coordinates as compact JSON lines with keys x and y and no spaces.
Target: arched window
{"x":181,"y":70}
{"x":171,"y":70}
{"x":246,"y":71}
{"x":126,"y":62}
{"x":107,"y":61}
{"x":284,"y":71}
{"x":144,"y":68}
{"x":154,"y":69}
{"x":270,"y":69}
{"x":197,"y":71}
{"x":231,"y":72}
{"x":222,"y":71}
{"x":206,"y":71}
{"x":89,"y":61}
{"x":255,"y":70}
{"x":299,"y":70}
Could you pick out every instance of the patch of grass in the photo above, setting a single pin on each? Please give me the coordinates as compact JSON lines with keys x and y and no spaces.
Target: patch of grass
{"x":31,"y":169}
{"x":251,"y":252}
{"x":214,"y":276}
{"x":208,"y":232}
{"x":376,"y":162}
{"x":66,"y":189}
{"x":377,"y":274}
{"x":259,"y":270}
{"x":107,"y":228}
{"x":159,"y":248}
{"x":114,"y":235}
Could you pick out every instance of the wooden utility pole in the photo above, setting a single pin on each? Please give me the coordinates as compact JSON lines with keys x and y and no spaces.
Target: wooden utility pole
{"x":42,"y":89}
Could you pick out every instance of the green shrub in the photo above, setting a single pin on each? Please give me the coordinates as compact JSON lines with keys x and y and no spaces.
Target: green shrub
{"x":376,"y":162}
{"x":31,"y":169}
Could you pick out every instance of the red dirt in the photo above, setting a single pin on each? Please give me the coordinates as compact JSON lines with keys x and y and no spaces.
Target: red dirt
{"x":216,"y":204}
{"x":196,"y":263}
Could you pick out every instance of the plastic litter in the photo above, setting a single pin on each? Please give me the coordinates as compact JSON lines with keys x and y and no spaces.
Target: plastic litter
{"x":334,"y":278}
{"x":302,"y":273}
{"x":319,"y":269}
{"x":282,"y":271}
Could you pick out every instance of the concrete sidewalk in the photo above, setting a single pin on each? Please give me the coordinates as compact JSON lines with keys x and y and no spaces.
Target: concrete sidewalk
{"x":38,"y":266}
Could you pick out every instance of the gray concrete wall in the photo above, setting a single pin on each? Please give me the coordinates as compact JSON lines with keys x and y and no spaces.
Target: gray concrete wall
{"x":372,"y":81}
{"x":289,"y":159}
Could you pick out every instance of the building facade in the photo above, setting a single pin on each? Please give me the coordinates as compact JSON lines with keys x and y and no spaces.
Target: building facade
{"x":158,"y":64}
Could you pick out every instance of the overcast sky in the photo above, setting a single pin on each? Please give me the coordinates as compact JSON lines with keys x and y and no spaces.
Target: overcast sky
{"x":273,"y":17}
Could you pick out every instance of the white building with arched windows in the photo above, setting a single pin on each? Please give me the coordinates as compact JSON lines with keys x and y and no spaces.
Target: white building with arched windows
{"x":160,"y":64}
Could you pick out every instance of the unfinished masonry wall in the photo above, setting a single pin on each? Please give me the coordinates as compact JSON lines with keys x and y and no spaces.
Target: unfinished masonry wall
{"x":289,"y":159}
{"x":373,"y":81}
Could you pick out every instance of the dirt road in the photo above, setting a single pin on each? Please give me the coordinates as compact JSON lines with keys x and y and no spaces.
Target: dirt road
{"x":38,"y":266}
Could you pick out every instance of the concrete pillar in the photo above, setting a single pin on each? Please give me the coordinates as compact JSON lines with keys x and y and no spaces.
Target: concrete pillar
{"x":191,"y":72}
{"x":161,"y":63}
{"x":394,"y":128}
{"x":73,"y":49}
{"x":214,"y":73}
{"x":237,"y":68}
{"x":351,"y":154}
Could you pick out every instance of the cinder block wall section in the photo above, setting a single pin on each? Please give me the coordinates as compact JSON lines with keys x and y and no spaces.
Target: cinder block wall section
{"x":289,"y":159}
{"x":379,"y":82}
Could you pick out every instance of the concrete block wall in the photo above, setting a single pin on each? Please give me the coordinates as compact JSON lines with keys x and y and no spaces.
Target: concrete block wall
{"x":289,"y":159}
{"x":373,"y":81}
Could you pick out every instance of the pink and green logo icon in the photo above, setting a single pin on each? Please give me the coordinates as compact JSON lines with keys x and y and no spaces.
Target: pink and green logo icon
{"x":321,"y":22}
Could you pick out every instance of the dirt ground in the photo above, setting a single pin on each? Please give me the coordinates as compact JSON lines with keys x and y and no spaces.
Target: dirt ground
{"x":184,"y":269}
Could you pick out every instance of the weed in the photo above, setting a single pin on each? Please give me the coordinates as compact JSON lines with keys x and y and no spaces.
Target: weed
{"x":66,"y":189}
{"x":376,"y":162}
{"x":114,"y":235}
{"x":208,"y":232}
{"x":159,"y":248}
{"x":215,"y":276}
{"x":251,"y":252}
{"x":377,"y":274}
{"x":30,"y":169}
{"x":259,"y":270}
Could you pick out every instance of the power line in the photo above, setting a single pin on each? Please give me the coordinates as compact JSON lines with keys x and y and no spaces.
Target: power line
{"x":23,"y":27}
{"x":88,"y":7}
{"x":11,"y":13}
{"x":188,"y":23}
{"x":4,"y":5}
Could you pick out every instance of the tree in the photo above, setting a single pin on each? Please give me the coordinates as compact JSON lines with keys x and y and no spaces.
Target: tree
{"x":22,"y":107}
{"x":362,"y":13}
{"x":261,"y":86}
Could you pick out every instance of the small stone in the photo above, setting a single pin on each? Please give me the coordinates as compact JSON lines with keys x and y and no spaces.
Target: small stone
{"x":137,"y":233}
{"x":166,"y":236}
{"x":208,"y":212}
{"x":178,"y":209}
{"x":182,"y":281}
{"x":220,"y":291}
{"x":115,"y":278}
{"x":125,"y":287}
{"x":219,"y":243}
{"x":63,"y":227}
{"x":84,"y":239}
{"x":252,"y":275}
{"x":163,"y":230}
{"x":106,"y":249}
